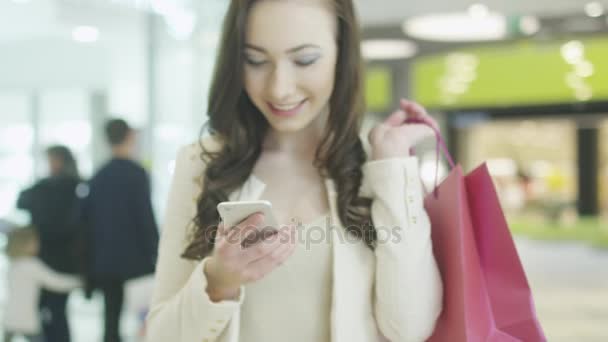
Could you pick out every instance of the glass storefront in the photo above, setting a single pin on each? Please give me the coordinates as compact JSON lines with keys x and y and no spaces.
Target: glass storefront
{"x":533,"y":163}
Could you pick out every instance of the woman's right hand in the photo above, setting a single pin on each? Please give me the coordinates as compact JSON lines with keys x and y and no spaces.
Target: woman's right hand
{"x":232,"y":265}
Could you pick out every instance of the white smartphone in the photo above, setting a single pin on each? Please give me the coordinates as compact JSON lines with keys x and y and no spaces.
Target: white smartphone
{"x":233,"y":212}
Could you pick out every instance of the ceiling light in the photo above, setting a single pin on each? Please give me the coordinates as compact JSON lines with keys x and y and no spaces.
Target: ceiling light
{"x":573,"y":52}
{"x":457,"y":27}
{"x":594,"y":9}
{"x":388,"y":49}
{"x":85,"y":34}
{"x":529,"y":25}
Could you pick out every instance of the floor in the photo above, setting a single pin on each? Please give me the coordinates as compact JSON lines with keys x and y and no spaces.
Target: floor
{"x":569,"y":283}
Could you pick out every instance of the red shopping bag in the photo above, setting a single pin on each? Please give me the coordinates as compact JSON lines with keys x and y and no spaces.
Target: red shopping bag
{"x":486,"y":293}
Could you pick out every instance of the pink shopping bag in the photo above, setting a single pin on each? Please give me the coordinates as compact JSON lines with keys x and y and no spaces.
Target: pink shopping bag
{"x":486,"y":293}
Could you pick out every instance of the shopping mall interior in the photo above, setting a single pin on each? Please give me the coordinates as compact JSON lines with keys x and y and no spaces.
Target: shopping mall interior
{"x":519,"y":85}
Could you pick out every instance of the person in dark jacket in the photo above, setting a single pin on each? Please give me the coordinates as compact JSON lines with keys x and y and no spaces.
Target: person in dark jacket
{"x":51,"y":203}
{"x":123,"y":235}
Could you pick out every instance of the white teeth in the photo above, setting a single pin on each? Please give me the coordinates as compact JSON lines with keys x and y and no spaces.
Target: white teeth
{"x":287,"y":107}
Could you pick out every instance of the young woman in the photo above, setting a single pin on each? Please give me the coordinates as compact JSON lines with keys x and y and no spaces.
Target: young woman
{"x":51,"y":203}
{"x":285,"y":111}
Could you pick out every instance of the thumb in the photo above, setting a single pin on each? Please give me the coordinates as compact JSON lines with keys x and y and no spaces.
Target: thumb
{"x":396,"y":118}
{"x":221,"y":230}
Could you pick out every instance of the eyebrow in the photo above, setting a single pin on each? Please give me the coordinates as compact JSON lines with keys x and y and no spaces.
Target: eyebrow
{"x":292,"y":50}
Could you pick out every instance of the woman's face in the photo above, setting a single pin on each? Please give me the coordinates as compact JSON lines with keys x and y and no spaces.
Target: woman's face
{"x":55,"y":164}
{"x":290,"y":60}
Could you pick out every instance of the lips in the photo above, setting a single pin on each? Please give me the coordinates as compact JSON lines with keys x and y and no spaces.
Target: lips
{"x":286,"y":109}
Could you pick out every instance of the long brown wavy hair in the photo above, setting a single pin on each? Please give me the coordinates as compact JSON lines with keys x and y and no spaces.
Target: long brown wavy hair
{"x":240,"y":128}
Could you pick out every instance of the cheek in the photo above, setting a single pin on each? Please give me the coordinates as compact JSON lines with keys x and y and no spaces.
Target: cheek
{"x":254,"y":84}
{"x":327,"y":73}
{"x":321,"y":83}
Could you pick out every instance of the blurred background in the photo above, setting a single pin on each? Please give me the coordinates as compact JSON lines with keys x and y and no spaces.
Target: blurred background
{"x":520,"y":84}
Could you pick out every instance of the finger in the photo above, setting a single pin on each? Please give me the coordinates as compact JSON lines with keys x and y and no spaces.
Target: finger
{"x":287,"y":234}
{"x":418,"y":130}
{"x":279,"y":257}
{"x":230,"y":246}
{"x":267,"y":264}
{"x":412,"y":109}
{"x":242,"y":237}
{"x":405,"y":105}
{"x":221,"y":230}
{"x":267,"y":246}
{"x":259,"y":235}
{"x":253,"y":220}
{"x":415,"y":110}
{"x":396,"y":118}
{"x":408,"y":105}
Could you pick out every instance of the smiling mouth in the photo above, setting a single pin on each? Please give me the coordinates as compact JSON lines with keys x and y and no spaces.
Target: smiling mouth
{"x":287,"y":110}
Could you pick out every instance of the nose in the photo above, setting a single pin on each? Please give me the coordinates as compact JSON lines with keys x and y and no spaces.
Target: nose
{"x":282,"y":83}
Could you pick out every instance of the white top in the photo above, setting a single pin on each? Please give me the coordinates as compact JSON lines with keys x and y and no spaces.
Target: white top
{"x":393,"y":292}
{"x":293,"y":302}
{"x":26,"y":277}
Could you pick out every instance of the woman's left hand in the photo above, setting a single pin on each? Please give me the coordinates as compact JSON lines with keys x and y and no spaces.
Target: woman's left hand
{"x":393,"y":138}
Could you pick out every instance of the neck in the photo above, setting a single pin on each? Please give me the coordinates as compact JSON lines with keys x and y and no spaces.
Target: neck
{"x":121,"y":152}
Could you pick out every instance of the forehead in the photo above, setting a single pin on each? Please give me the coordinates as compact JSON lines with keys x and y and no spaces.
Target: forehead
{"x":282,"y":24}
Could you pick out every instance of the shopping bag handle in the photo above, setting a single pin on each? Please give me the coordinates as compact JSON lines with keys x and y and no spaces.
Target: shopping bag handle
{"x":441,"y":147}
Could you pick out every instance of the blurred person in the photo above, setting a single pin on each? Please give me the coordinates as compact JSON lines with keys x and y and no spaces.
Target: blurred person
{"x":52,"y":203}
{"x":122,"y":231}
{"x":285,"y":112}
{"x":27,"y":276}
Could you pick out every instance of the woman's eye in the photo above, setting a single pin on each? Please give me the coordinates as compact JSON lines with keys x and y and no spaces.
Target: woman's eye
{"x":306,"y":62}
{"x":255,"y":63}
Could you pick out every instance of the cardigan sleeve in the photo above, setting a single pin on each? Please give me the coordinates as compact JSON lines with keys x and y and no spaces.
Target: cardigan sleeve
{"x":408,"y":290}
{"x":181,"y":310}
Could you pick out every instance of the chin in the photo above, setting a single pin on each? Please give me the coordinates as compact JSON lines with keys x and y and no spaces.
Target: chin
{"x":287,"y":126}
{"x":294,"y":124}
